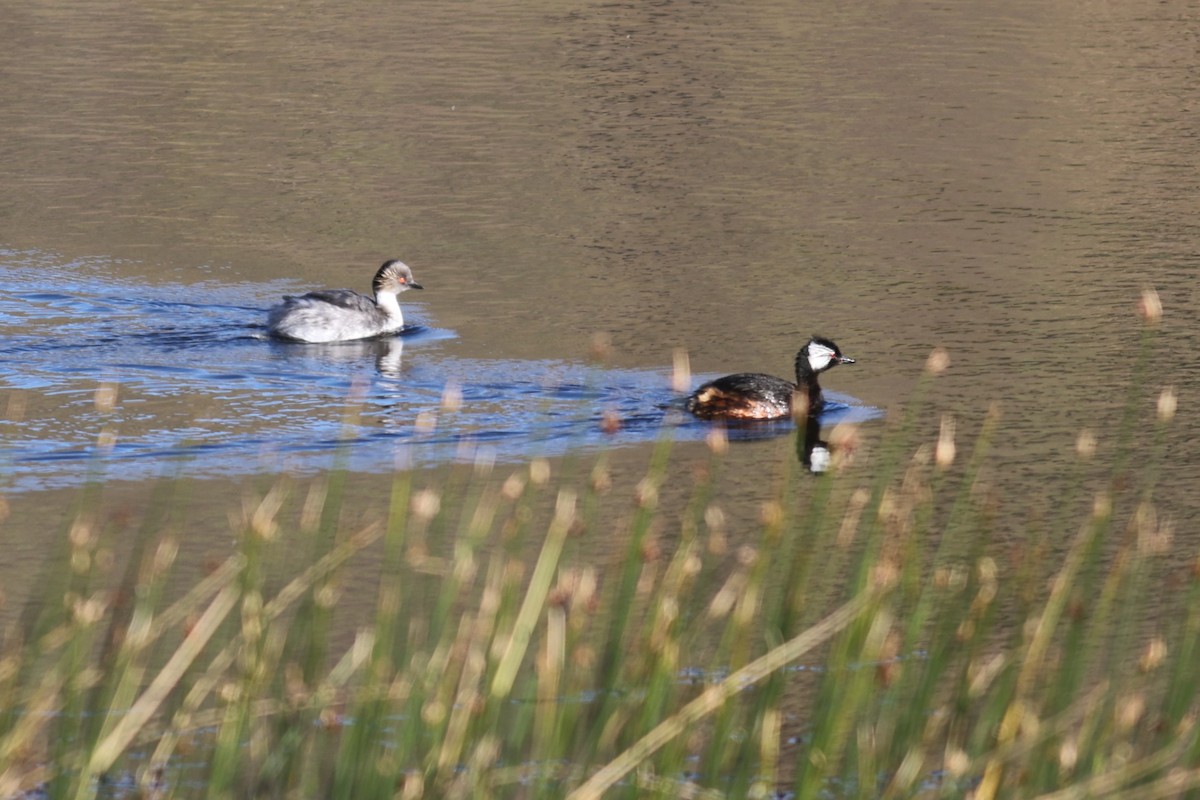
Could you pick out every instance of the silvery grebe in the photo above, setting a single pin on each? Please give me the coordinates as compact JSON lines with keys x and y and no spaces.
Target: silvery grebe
{"x":336,"y":315}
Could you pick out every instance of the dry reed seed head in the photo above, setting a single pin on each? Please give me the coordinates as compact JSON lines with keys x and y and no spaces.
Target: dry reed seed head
{"x":747,"y":556}
{"x":887,"y":673}
{"x":1167,"y":403}
{"x":610,"y":421}
{"x":602,"y":346}
{"x":714,"y":517}
{"x":329,"y":719}
{"x":1152,"y":538}
{"x":885,"y":575}
{"x":230,"y":691}
{"x":90,"y":611}
{"x":433,"y":712}
{"x":559,"y":597}
{"x":726,"y":596}
{"x":1154,"y":655}
{"x":945,"y":577}
{"x":988,"y":570}
{"x":770,"y":514}
{"x":646,"y":494}
{"x":1085,"y":444}
{"x":601,"y":478}
{"x":105,"y":398}
{"x":1150,"y":307}
{"x":252,"y":617}
{"x":651,"y":550}
{"x":1101,"y":506}
{"x":956,"y":761}
{"x":717,"y":440}
{"x":294,"y":687}
{"x":514,"y":486}
{"x":426,"y":504}
{"x":539,"y":472}
{"x":414,"y":785}
{"x":583,"y":656}
{"x":83,"y":534}
{"x":262,"y":522}
{"x":844,"y":442}
{"x":681,"y":372}
{"x":943,"y":453}
{"x":1129,"y":711}
{"x":938,"y":361}
{"x":486,"y":752}
{"x":452,"y":397}
{"x":845,"y":436}
{"x":426,"y":422}
{"x":1068,"y":754}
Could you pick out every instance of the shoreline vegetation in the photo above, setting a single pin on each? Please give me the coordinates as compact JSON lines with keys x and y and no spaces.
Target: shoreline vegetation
{"x":869,"y":639}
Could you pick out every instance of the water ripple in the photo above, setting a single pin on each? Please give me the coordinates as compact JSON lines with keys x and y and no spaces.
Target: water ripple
{"x":199,"y":381}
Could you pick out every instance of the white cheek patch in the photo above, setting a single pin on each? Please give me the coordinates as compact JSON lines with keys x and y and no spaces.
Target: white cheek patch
{"x":819,"y":356}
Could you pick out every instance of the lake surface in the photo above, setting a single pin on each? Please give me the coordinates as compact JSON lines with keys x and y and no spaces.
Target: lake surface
{"x":130,"y":381}
{"x":1001,"y":180}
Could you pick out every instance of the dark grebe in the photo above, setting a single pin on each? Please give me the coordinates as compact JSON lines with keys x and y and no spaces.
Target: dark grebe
{"x":752,"y":395}
{"x":336,"y":315}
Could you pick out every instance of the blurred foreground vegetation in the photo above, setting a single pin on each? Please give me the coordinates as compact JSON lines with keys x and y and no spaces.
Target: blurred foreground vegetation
{"x":869,"y":639}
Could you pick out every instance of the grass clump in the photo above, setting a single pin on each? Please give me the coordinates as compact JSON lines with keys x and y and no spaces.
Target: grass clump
{"x":867,"y":637}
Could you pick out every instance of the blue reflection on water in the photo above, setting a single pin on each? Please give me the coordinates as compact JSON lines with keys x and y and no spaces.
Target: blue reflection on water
{"x":199,"y":381}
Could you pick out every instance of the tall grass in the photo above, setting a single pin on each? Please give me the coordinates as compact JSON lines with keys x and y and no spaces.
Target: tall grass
{"x":867,"y":639}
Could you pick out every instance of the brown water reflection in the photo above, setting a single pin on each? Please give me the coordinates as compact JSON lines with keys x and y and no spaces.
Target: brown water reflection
{"x":1000,"y":179}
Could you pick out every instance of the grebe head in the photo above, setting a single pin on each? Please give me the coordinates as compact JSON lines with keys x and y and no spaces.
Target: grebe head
{"x":819,"y":355}
{"x":394,"y":277}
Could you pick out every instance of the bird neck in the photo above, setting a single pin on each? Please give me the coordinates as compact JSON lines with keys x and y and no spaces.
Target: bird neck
{"x":389,"y":304}
{"x":804,"y":372}
{"x":807,"y":386}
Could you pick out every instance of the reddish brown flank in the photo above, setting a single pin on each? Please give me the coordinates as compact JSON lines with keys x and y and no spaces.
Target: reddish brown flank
{"x":712,"y":403}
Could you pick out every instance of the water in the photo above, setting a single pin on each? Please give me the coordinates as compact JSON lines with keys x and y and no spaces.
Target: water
{"x":196,"y":382}
{"x":1000,"y":180}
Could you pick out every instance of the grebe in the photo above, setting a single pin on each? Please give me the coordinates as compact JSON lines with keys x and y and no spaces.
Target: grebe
{"x":336,"y":315}
{"x":752,"y":395}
